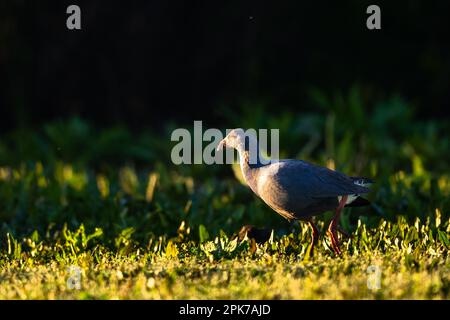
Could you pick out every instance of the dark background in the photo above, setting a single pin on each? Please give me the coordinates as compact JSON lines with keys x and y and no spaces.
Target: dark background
{"x":143,"y":63}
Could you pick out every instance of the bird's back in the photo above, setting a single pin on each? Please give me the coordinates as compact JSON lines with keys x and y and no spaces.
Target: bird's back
{"x":297,"y":189}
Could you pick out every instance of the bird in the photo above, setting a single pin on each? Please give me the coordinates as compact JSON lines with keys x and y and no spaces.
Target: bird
{"x":297,"y":189}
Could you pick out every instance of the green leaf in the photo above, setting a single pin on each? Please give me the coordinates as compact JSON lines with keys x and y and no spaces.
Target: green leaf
{"x":203,"y":233}
{"x":443,"y":237}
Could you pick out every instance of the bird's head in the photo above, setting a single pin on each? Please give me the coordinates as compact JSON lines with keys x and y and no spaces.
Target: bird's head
{"x":236,"y":139}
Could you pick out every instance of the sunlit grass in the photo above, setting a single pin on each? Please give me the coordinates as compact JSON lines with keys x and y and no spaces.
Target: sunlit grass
{"x":412,"y":259}
{"x":121,"y":258}
{"x":137,"y":226}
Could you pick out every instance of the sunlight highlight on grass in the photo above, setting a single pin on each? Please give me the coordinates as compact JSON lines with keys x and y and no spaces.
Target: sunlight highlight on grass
{"x":152,"y":180}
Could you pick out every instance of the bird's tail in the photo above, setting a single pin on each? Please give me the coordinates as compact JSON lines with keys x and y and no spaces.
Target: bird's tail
{"x":364,"y":182}
{"x":356,"y":200}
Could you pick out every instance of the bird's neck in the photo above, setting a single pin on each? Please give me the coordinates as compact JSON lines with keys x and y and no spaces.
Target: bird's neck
{"x":249,"y":166}
{"x":252,"y":160}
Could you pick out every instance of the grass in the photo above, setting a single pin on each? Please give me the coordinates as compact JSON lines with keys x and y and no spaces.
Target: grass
{"x":412,"y":260}
{"x":109,"y":202}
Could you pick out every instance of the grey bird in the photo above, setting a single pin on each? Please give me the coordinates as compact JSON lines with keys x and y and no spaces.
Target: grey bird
{"x":296,"y":189}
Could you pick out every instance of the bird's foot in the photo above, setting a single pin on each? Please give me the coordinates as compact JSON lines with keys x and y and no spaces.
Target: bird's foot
{"x":333,"y":227}
{"x":334,"y":240}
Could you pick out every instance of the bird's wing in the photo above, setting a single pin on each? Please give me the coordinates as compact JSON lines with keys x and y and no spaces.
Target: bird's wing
{"x":309,"y":180}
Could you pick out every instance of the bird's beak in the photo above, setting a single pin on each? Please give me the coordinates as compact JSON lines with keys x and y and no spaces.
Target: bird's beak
{"x":222,"y":144}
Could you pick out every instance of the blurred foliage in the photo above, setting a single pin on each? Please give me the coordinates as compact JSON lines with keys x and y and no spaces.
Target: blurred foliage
{"x":73,"y":193}
{"x":70,"y":172}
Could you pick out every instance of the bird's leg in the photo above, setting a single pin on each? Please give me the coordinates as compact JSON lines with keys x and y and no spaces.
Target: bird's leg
{"x":315,"y":235}
{"x":332,"y":228}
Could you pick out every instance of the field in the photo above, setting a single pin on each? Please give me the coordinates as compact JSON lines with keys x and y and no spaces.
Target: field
{"x":101,"y":213}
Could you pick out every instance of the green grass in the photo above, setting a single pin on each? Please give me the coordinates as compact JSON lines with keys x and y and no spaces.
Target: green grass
{"x":110,"y":202}
{"x":412,"y":260}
